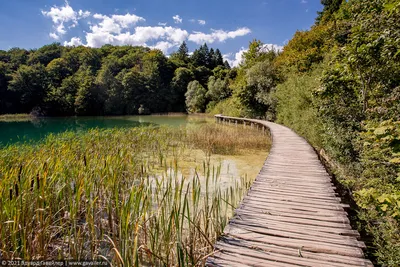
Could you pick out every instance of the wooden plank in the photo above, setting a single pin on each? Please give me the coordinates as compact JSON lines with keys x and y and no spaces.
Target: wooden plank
{"x":286,"y":213}
{"x":292,"y":206}
{"x":316,"y":197}
{"x":295,"y":252}
{"x":216,"y":262}
{"x":294,"y":201}
{"x":306,"y":245}
{"x":293,"y":187}
{"x":296,"y":235}
{"x":303,"y":227}
{"x":299,"y":182}
{"x":274,"y":257}
{"x":284,"y":189}
{"x":241,"y":213}
{"x":289,"y":206}
{"x":234,"y":259}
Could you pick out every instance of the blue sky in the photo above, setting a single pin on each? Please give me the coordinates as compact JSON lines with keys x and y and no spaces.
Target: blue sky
{"x":227,"y":25}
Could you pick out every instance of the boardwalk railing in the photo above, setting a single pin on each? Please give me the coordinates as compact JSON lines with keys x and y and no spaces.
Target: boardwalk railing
{"x":291,"y":215}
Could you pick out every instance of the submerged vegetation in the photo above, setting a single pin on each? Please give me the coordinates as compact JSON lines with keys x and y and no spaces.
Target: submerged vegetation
{"x":120,"y":195}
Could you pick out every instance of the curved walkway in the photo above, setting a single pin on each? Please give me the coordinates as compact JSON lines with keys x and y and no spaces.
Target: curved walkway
{"x":291,"y":216}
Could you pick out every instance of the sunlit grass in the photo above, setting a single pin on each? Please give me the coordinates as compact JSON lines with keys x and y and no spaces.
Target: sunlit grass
{"x":118,"y":195}
{"x":16,"y":117}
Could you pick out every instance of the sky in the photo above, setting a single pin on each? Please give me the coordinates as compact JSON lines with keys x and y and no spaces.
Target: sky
{"x":225,"y":24}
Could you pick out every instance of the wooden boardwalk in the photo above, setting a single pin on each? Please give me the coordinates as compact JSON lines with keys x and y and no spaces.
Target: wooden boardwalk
{"x":291,"y":216}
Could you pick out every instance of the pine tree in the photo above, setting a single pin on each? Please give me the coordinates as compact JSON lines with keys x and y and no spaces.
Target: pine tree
{"x":183,"y":52}
{"x":219,"y":61}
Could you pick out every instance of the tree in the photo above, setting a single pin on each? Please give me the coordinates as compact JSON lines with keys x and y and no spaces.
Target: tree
{"x":135,"y":90}
{"x":227,"y":65}
{"x":202,"y":74}
{"x":195,"y":97}
{"x":85,"y":101}
{"x":179,"y":84}
{"x":31,"y":83}
{"x":211,"y":63}
{"x":330,"y":7}
{"x":218,"y":90}
{"x":183,"y":52}
{"x":4,"y":93}
{"x":17,"y":57}
{"x":201,"y":56}
{"x":218,"y":59}
{"x":254,"y":92}
{"x":45,"y":54}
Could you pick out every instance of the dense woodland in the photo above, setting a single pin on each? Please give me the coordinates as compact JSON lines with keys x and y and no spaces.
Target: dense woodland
{"x":112,"y":80}
{"x":337,"y":84}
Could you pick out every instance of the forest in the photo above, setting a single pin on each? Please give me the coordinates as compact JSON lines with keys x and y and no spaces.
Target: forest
{"x":113,"y":80}
{"x":336,"y":84}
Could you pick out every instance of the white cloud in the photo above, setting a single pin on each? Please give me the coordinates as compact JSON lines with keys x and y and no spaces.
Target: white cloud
{"x":304,"y":2}
{"x":63,"y":15}
{"x":75,"y":41}
{"x":84,"y":14}
{"x":217,"y":35}
{"x":166,"y":37}
{"x":238,"y":57}
{"x":164,"y":46}
{"x":123,"y":30}
{"x":115,"y":23}
{"x":177,"y":19}
{"x":61,"y":29}
{"x":54,"y":36}
{"x":268,"y":47}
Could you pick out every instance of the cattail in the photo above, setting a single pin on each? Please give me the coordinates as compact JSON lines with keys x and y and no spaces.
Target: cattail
{"x":16,"y":190}
{"x":32,"y":184}
{"x":84,"y":160}
{"x":38,"y":181}
{"x":19,"y":174}
{"x":11,"y":194}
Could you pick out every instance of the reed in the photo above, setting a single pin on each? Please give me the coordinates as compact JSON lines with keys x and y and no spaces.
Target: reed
{"x":115,"y":195}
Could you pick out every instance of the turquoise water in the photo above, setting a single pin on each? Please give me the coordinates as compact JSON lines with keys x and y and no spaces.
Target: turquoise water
{"x":36,"y":130}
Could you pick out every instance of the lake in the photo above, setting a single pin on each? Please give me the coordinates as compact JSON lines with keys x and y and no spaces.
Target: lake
{"x":37,"y":129}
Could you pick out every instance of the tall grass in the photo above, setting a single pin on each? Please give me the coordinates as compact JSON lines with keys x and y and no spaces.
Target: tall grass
{"x":227,"y":140}
{"x":115,"y":195}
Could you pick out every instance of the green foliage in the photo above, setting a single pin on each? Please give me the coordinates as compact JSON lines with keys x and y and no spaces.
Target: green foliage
{"x":179,"y":84}
{"x":120,"y":79}
{"x":195,"y":97}
{"x":218,"y":90}
{"x":306,"y":48}
{"x":256,"y":80}
{"x":349,"y":105}
{"x":296,"y":107}
{"x":31,"y":83}
{"x":229,"y":107}
{"x":330,"y":7}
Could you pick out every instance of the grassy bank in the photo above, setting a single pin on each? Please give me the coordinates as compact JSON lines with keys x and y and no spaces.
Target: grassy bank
{"x":119,"y":195}
{"x":16,"y":117}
